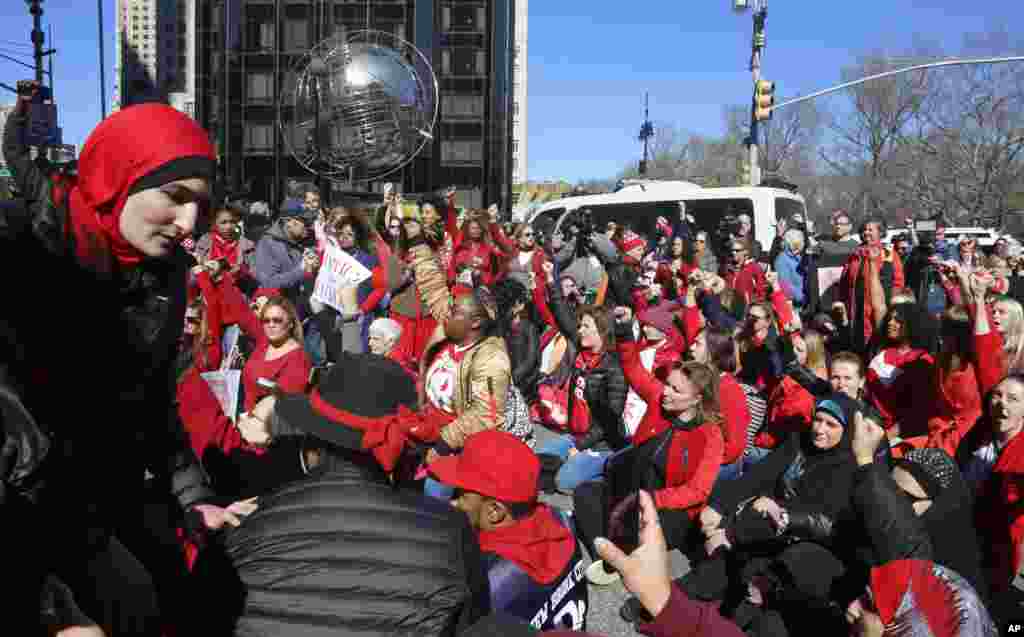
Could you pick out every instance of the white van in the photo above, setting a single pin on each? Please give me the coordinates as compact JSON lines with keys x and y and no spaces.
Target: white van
{"x":640,"y":203}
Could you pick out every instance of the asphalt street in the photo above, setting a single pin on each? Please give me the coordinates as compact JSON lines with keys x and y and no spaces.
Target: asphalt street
{"x":603,"y":616}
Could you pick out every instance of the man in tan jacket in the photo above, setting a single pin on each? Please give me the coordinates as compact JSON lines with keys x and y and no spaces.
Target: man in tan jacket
{"x":465,"y":371}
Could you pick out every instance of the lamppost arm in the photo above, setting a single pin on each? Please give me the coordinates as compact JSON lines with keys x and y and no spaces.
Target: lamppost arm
{"x":918,"y":67}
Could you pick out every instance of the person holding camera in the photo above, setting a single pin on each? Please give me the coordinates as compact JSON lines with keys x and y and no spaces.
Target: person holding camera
{"x":224,"y":243}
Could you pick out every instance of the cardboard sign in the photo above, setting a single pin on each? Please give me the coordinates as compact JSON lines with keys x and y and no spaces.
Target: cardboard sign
{"x":636,"y":408}
{"x":224,"y":384}
{"x":339,"y":270}
{"x":229,"y":346}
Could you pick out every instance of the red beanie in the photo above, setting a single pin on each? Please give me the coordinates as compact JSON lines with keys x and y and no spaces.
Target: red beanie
{"x":633,"y":243}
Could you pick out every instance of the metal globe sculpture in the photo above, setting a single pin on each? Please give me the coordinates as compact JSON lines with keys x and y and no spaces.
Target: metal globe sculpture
{"x":363,"y":106}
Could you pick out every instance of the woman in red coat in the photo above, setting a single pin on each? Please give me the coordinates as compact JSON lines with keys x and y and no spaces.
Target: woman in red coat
{"x":278,"y":360}
{"x":473,"y":247}
{"x":682,"y":433}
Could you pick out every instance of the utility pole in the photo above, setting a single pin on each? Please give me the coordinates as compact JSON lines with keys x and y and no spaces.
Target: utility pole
{"x":38,"y":39}
{"x":646,"y":132}
{"x":756,"y":51}
{"x":103,"y":61}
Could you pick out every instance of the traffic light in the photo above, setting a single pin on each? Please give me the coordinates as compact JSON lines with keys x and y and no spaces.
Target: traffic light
{"x":764,"y":99}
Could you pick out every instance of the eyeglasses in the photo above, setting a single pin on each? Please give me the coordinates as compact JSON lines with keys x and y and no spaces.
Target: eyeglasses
{"x":754,"y":318}
{"x":193,"y":320}
{"x":275,"y":320}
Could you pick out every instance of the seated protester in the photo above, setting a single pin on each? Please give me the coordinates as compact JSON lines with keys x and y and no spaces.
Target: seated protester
{"x":868,"y":277}
{"x":681,"y":435}
{"x":746,"y":276}
{"x":356,"y":499}
{"x":385,"y":336}
{"x":910,"y":592}
{"x":1008,"y":321}
{"x":790,"y":268}
{"x":800,"y":493}
{"x":715,"y":347}
{"x":521,"y":334}
{"x":991,"y":457}
{"x":587,"y":409}
{"x":845,"y":376}
{"x":625,"y":270}
{"x":532,"y":561}
{"x":760,"y":362}
{"x":278,"y":361}
{"x":465,"y":369}
{"x":942,"y":500}
{"x":557,"y":353}
{"x":898,"y":373}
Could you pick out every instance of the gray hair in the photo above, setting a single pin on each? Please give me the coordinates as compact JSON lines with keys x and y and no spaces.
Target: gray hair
{"x":386,"y":328}
{"x":794,"y":240}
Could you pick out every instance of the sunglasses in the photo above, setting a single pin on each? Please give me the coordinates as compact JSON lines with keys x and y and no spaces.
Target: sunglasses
{"x":754,"y":318}
{"x":193,"y":320}
{"x":274,"y":320}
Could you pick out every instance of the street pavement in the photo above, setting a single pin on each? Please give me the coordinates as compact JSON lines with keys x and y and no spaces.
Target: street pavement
{"x":603,"y":616}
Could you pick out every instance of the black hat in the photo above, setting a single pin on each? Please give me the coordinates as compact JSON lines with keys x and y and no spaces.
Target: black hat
{"x":933,"y":469}
{"x":359,"y":393}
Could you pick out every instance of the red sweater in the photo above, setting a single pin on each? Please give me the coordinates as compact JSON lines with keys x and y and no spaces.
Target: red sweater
{"x":894,"y":378}
{"x":790,"y":409}
{"x":749,"y":282}
{"x":689,"y":483}
{"x":290,"y":372}
{"x":736,"y":416}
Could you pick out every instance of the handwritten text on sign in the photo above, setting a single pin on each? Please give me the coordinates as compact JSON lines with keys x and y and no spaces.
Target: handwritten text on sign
{"x":339,"y":270}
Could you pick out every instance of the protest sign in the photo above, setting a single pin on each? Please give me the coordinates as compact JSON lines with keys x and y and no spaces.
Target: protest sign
{"x":229,"y":346}
{"x":339,"y":270}
{"x":224,"y":384}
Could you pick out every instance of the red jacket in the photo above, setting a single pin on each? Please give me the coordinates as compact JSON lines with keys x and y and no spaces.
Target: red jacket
{"x":689,"y":483}
{"x":290,"y":372}
{"x":848,"y":285}
{"x":790,"y":409}
{"x":736,"y":417}
{"x":894,"y":377}
{"x":749,"y":282}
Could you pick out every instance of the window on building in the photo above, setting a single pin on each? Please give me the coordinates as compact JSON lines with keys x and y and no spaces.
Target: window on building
{"x":296,"y":35}
{"x":455,"y":106}
{"x":259,"y":138}
{"x":261,"y":86}
{"x":456,"y":151}
{"x":515,"y":147}
{"x":267,"y":35}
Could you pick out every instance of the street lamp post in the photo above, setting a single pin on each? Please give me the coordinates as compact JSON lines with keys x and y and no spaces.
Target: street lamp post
{"x":760,"y":14}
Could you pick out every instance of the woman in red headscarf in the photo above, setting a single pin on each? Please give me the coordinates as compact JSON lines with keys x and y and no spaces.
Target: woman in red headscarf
{"x":90,"y":349}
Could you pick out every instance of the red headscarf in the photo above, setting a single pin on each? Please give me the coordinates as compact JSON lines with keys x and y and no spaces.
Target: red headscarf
{"x":131,"y":144}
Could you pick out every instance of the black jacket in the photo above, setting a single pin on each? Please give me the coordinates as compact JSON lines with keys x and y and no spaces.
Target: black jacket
{"x":523,"y":343}
{"x":815,"y":487}
{"x":93,"y":358}
{"x":888,"y":517}
{"x":344,"y":553}
{"x":606,"y":386}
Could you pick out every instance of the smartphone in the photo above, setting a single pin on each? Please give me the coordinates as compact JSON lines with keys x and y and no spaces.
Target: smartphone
{"x":623,"y":472}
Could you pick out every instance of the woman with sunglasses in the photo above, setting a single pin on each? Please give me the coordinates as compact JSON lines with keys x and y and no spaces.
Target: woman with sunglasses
{"x":528,"y":257}
{"x":278,"y":361}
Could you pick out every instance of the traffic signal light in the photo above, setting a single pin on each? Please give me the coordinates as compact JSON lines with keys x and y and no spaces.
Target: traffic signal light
{"x":764,"y":99}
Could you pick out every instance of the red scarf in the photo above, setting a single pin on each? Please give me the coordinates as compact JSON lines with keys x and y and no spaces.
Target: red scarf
{"x":539,"y":544}
{"x":587,"y":360}
{"x":221,"y":248}
{"x":114,"y":158}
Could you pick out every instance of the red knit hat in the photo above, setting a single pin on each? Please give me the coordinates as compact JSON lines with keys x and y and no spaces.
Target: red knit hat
{"x":267,"y":292}
{"x":492,"y":463}
{"x":633,"y":243}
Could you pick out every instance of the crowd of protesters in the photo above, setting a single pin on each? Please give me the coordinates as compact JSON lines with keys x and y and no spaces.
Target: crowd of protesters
{"x":837,"y":460}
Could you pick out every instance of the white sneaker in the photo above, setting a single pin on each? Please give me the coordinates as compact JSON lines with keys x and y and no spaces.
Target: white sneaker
{"x":597,"y":576}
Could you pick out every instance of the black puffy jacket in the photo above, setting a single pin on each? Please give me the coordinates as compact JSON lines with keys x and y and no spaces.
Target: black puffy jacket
{"x":343,"y":553}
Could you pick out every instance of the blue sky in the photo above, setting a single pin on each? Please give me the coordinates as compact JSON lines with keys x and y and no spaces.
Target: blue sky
{"x":590,"y":62}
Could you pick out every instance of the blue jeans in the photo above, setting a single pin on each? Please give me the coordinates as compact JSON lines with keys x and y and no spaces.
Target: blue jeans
{"x":582,"y":467}
{"x":757,"y":454}
{"x":434,"y":489}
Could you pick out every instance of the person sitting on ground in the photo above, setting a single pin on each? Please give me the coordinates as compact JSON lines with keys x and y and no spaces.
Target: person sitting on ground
{"x":533,"y":563}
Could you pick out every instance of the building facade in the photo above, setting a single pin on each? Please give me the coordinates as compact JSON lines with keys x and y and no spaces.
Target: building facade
{"x":519,"y":93}
{"x":149,"y":64}
{"x":245,"y":59}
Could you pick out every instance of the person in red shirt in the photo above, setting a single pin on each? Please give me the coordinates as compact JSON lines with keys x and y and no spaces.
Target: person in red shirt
{"x":869,"y":276}
{"x":278,"y":361}
{"x":474,"y":247}
{"x":746,"y":276}
{"x":898,"y":372}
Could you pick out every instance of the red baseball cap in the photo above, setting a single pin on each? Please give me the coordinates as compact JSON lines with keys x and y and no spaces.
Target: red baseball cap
{"x":493,"y":463}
